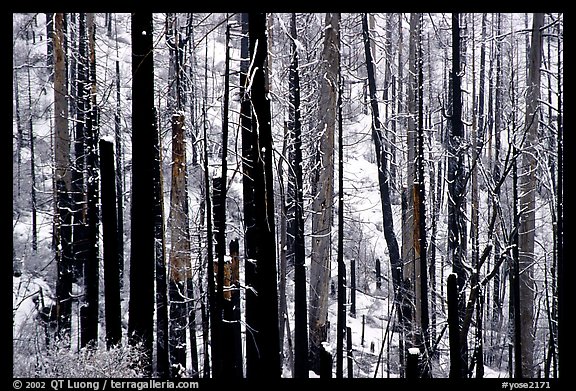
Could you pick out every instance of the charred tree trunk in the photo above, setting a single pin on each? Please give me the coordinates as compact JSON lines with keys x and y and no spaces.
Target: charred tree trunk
{"x":383,"y":182}
{"x":341,"y":316}
{"x":64,"y":256}
{"x":296,"y":193}
{"x":119,"y":175}
{"x":457,"y":366}
{"x":89,"y":335}
{"x":110,"y":243}
{"x":263,"y":344}
{"x":456,"y":181}
{"x":144,"y":132}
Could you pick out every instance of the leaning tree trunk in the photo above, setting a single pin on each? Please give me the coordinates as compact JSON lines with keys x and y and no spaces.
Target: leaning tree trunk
{"x":527,"y":190}
{"x":323,"y":200}
{"x":383,"y":180}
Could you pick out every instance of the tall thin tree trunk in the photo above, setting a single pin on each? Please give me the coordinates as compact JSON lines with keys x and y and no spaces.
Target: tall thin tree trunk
{"x":19,"y":129}
{"x":323,"y":200}
{"x":91,"y":268}
{"x":32,"y":168}
{"x":144,"y":132}
{"x":558,"y":305}
{"x":180,"y":270}
{"x":527,"y":188}
{"x":119,"y":170}
{"x":296,"y":192}
{"x":341,"y":315}
{"x":457,"y":194}
{"x":383,"y":182}
{"x":63,"y":183}
{"x":110,"y":246}
{"x":421,"y":244}
{"x":264,"y":342}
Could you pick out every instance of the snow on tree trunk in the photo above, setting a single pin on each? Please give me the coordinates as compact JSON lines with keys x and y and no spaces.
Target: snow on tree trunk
{"x":323,"y":200}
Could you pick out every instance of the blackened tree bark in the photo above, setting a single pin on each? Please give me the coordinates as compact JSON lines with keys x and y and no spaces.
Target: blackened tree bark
{"x":341,"y":316}
{"x":322,"y":205}
{"x":110,"y":245}
{"x":383,"y":182}
{"x":457,"y":370}
{"x":78,"y":181}
{"x":162,"y":326}
{"x":89,"y":313}
{"x":119,"y":172}
{"x":144,"y":132}
{"x":456,"y":180}
{"x":296,"y":194}
{"x":32,"y":167}
{"x":263,"y":345}
{"x":63,"y":183}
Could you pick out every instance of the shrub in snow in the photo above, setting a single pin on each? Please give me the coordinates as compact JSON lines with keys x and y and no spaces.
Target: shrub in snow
{"x":59,"y":361}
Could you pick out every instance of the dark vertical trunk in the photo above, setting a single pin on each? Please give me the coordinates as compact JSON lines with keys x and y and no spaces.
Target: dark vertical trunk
{"x":224,"y":368}
{"x":63,"y":183}
{"x":229,"y":367}
{"x":162,"y":326}
{"x":527,"y":190}
{"x":558,"y":302}
{"x":457,"y":366}
{"x":412,"y":371}
{"x":349,"y":352}
{"x":456,"y":182}
{"x":248,"y":161}
{"x":19,"y":129}
{"x":144,"y":132}
{"x":32,"y":168}
{"x":353,"y":288}
{"x":496,"y":294}
{"x":325,"y":363}
{"x":212,"y":299}
{"x":91,"y":268}
{"x":378,"y":275}
{"x":264,"y":360}
{"x":192,"y":328}
{"x":341,"y":316}
{"x":119,"y":175}
{"x":383,"y":182}
{"x":298,"y":248}
{"x":515,"y":279}
{"x":113,"y":314}
{"x":285,"y":209}
{"x":79,"y":167}
{"x":232,"y":312}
